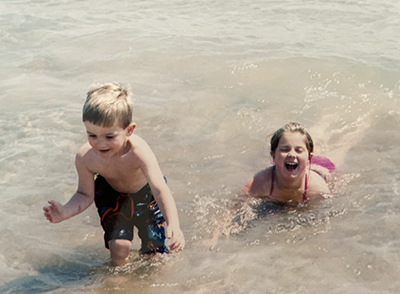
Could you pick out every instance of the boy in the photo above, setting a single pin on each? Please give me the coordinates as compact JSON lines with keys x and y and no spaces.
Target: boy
{"x":114,"y":159}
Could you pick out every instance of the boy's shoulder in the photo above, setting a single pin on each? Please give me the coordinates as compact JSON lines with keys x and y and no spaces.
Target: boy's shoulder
{"x":137,"y":141}
{"x":85,"y":150}
{"x":85,"y":155}
{"x":138,"y":145}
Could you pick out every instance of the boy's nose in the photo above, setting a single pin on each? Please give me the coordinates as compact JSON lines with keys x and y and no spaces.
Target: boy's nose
{"x":101,"y":143}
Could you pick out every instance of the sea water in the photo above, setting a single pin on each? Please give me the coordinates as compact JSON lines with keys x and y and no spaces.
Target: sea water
{"x":212,"y":80}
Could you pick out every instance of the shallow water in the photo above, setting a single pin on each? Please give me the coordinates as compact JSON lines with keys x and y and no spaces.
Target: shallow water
{"x":212,"y":80}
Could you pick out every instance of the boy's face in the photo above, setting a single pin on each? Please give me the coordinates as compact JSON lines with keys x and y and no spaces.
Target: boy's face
{"x":107,"y":141}
{"x":291,"y":156}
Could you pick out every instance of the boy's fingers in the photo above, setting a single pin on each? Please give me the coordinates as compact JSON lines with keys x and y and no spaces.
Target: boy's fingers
{"x":176,"y":240}
{"x":53,"y":203}
{"x":173,"y":243}
{"x":173,"y":247}
{"x":177,"y":245}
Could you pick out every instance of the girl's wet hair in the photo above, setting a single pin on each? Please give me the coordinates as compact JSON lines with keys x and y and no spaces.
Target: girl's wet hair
{"x":107,"y":105}
{"x":292,"y":127}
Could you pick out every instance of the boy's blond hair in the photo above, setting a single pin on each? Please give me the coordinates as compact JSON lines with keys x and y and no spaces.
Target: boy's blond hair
{"x":107,"y":105}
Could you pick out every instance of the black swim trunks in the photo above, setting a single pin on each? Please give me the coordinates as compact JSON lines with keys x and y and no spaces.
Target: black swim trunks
{"x":120,"y":212}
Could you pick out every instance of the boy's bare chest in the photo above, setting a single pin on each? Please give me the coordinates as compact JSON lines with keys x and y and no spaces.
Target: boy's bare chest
{"x":124,"y":175}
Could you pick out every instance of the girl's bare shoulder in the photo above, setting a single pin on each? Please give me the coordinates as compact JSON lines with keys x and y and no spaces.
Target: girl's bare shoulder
{"x":260,"y":184}
{"x":318,"y":182}
{"x":264,"y":174}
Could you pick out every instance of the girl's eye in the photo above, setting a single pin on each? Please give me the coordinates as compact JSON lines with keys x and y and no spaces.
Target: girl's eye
{"x":92,"y":136}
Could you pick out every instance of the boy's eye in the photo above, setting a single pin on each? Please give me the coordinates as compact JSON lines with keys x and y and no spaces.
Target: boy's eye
{"x":110,"y":137}
{"x":92,"y":136}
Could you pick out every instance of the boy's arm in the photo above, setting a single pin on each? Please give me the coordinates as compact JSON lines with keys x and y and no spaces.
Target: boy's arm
{"x":162,"y":194}
{"x":80,"y":201}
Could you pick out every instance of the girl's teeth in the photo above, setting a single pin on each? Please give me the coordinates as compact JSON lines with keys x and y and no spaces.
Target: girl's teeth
{"x":291,"y":166}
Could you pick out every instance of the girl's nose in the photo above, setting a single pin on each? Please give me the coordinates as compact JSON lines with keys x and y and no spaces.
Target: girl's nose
{"x":291,"y":154}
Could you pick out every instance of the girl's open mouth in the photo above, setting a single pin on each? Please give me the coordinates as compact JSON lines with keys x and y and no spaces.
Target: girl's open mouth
{"x":291,"y":166}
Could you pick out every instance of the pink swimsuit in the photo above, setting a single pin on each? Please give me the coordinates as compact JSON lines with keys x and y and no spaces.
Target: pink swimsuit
{"x":318,"y":160}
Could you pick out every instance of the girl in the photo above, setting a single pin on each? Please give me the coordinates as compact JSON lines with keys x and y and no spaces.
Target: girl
{"x":296,"y":175}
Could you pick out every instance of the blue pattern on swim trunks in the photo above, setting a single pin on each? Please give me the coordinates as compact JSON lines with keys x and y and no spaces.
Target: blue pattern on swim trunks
{"x":119,"y":213}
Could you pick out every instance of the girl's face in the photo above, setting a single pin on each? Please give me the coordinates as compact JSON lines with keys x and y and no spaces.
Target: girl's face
{"x":291,"y":156}
{"x":107,"y":141}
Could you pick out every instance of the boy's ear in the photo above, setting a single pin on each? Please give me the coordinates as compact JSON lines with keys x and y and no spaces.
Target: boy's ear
{"x":130,"y":129}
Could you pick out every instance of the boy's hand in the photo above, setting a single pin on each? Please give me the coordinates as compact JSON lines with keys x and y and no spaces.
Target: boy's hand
{"x":177,"y":240}
{"x":53,"y":213}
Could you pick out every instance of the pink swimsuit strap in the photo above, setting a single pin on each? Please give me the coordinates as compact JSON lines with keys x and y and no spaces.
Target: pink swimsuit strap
{"x":273,"y":180}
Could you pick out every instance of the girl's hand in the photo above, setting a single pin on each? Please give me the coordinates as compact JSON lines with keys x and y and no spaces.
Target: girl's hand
{"x":53,"y":212}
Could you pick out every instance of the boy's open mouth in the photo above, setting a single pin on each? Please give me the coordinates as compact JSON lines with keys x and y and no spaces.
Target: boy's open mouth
{"x":291,"y":166}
